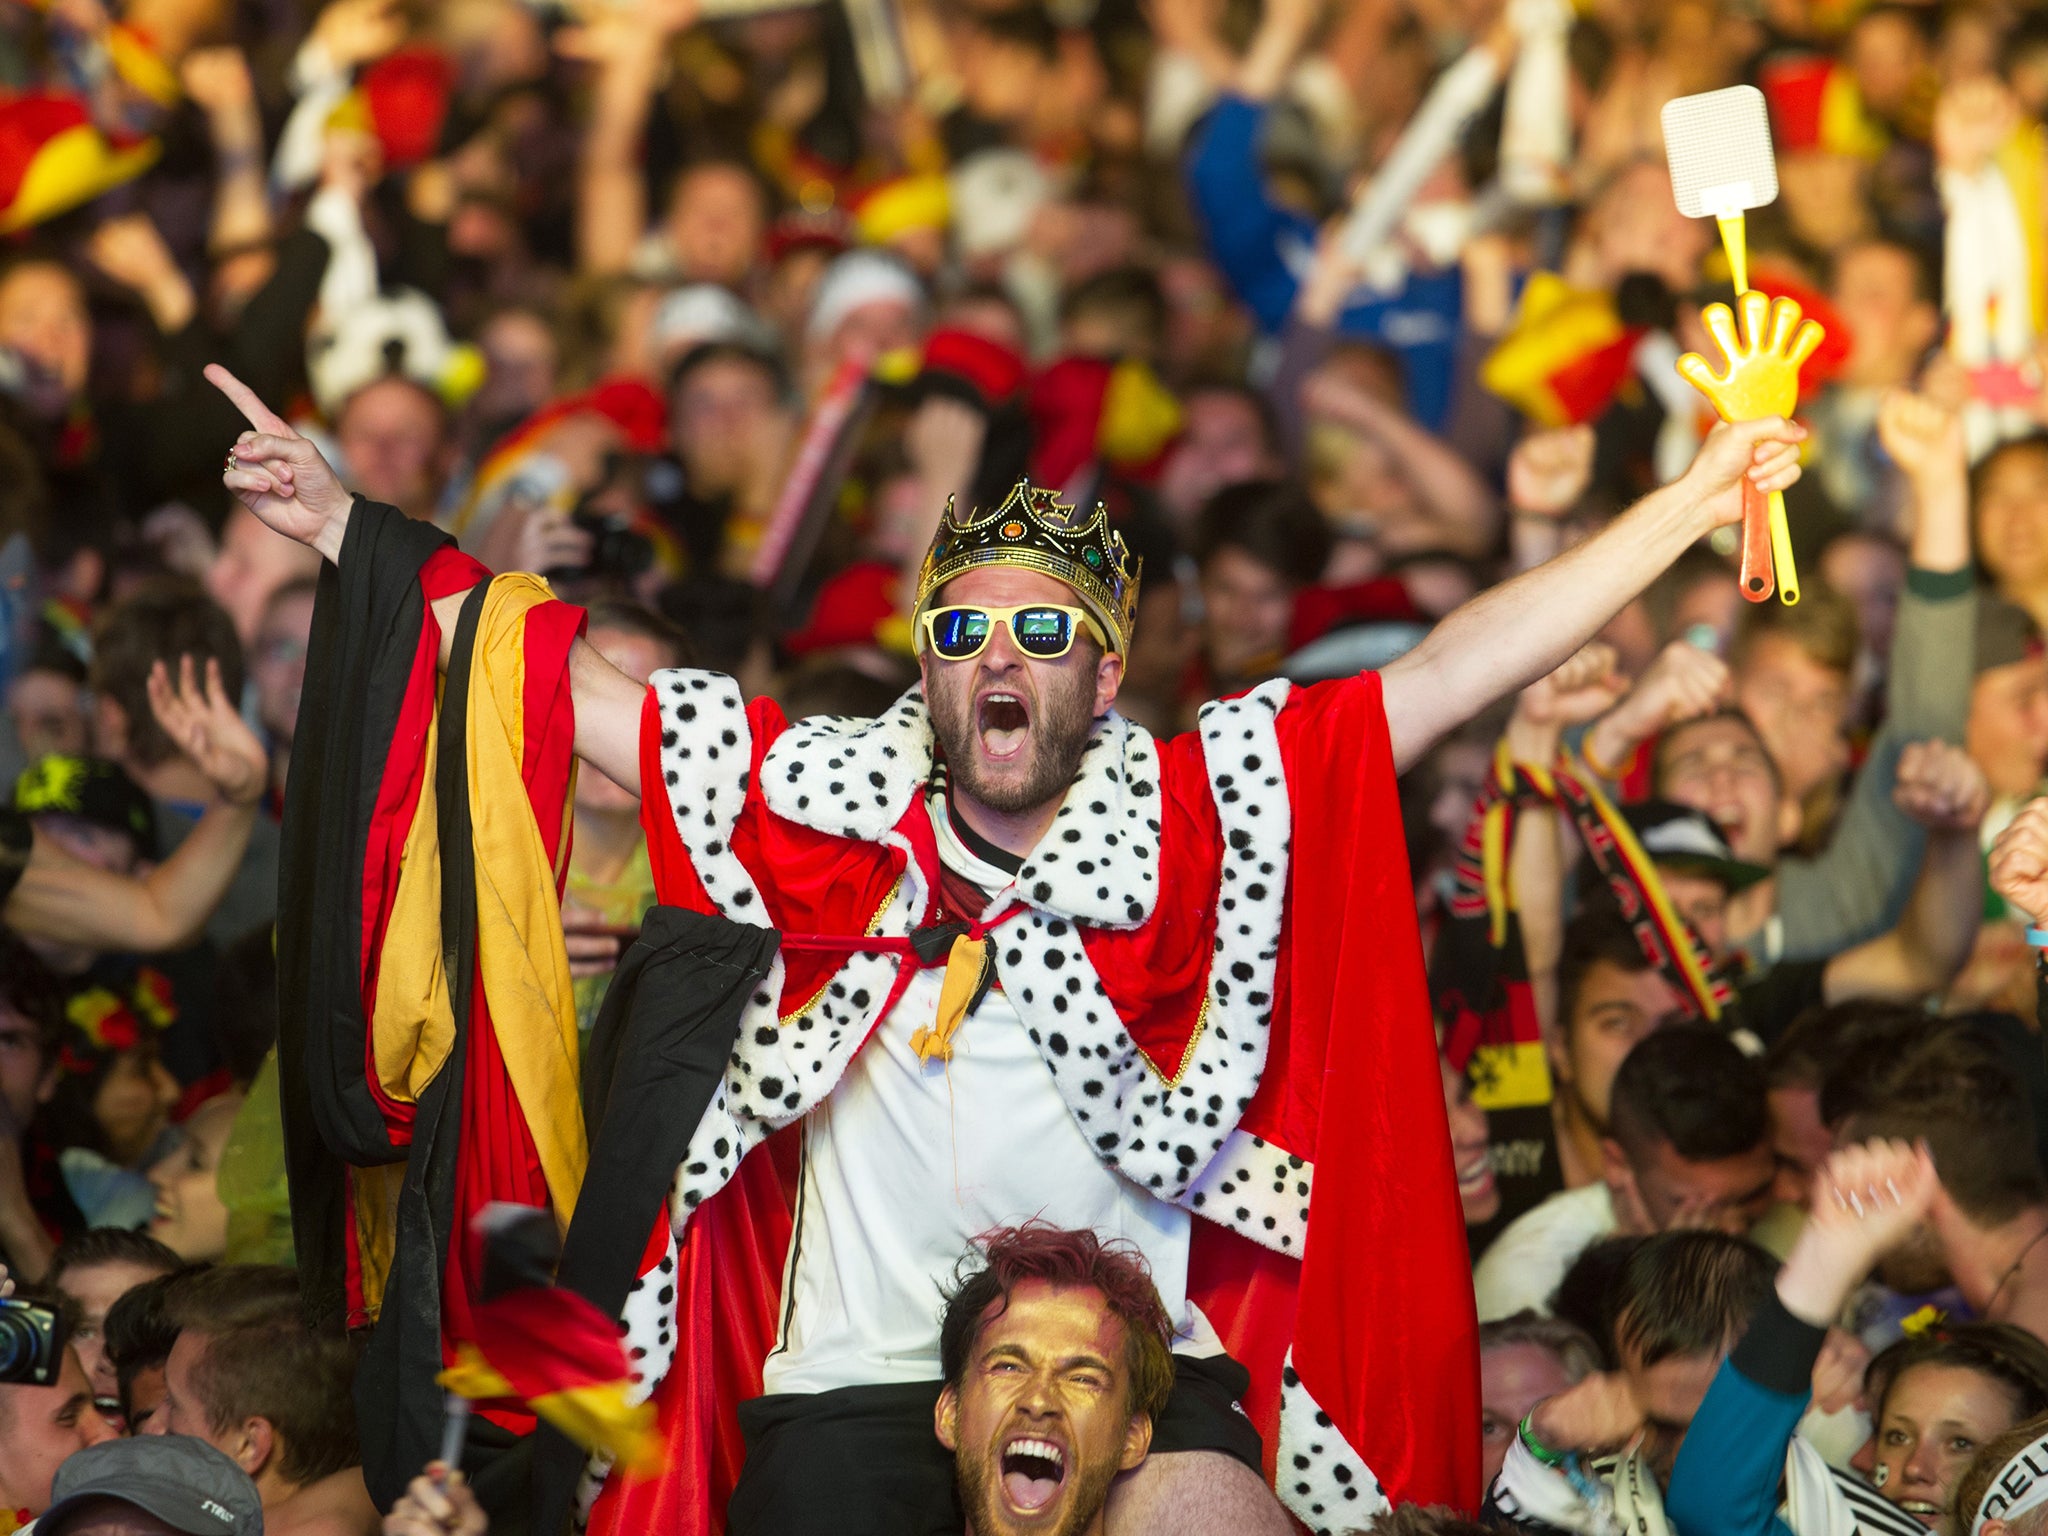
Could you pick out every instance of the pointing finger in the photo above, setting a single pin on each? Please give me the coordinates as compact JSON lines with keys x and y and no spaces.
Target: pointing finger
{"x":258,"y":415}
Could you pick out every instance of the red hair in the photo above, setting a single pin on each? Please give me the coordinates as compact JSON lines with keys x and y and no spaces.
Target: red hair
{"x":1038,"y":1250}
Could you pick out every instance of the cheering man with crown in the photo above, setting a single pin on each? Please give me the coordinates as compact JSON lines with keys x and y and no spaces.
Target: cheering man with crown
{"x":995,"y":955}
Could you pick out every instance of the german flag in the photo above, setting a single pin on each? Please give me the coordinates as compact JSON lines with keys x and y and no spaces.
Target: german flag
{"x":547,"y":1349}
{"x":53,"y":158}
{"x":1565,"y":356}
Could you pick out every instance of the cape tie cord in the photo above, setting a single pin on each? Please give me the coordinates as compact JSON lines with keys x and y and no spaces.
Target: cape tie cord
{"x":967,"y":977}
{"x":970,"y":970}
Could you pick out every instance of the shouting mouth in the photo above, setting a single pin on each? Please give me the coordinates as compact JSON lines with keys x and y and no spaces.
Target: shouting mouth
{"x":1002,"y":721}
{"x":1927,"y":1514}
{"x":1033,"y":1471}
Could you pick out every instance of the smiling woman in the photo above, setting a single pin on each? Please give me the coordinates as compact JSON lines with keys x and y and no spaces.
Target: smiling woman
{"x":1938,"y":1399}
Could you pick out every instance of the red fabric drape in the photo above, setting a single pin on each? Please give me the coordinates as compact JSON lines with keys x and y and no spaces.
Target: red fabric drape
{"x":1386,"y":1340}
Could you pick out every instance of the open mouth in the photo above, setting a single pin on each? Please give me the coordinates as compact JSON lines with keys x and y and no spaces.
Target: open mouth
{"x":1033,"y":1472}
{"x":1003,"y":721}
{"x":1475,"y":1176}
{"x":1927,"y":1514}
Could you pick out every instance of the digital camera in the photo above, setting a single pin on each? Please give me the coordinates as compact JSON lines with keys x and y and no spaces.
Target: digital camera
{"x":32,"y":1338}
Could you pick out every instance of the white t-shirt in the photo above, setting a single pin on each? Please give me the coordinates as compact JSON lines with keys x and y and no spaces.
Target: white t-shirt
{"x":1525,"y":1264}
{"x":907,"y":1162}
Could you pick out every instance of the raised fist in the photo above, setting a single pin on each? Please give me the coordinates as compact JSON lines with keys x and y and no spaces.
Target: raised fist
{"x":2019,"y":861}
{"x":1583,"y":689}
{"x":1941,"y":787}
{"x":1923,"y":435}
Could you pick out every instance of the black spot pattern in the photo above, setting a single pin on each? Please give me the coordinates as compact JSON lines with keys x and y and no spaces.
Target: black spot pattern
{"x":1102,"y":866}
{"x":648,"y":1324}
{"x":1257,"y":1190}
{"x":1324,"y":1483}
{"x":777,"y":1073}
{"x":1164,"y":1138}
{"x":849,"y":775}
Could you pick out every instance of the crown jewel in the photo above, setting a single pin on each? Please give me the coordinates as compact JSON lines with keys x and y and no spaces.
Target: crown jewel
{"x":1034,"y":530}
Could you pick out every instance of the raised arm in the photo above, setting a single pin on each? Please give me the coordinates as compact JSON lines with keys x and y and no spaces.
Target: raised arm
{"x":1576,"y":692}
{"x":1941,"y":789}
{"x":282,"y":478}
{"x":1727,"y":1476}
{"x":219,"y":84}
{"x":628,"y":45}
{"x":70,"y":902}
{"x":1508,"y":637}
{"x":1857,"y":886}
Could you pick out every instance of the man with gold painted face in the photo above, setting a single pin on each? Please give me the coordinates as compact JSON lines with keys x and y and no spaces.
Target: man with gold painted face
{"x":1029,"y":962}
{"x":1058,"y":1361}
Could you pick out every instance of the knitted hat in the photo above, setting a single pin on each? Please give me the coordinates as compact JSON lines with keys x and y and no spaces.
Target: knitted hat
{"x":856,"y":280}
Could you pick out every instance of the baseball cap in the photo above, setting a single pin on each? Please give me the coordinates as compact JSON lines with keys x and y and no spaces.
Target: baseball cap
{"x":92,"y":789}
{"x":184,"y":1482}
{"x":1681,"y":838}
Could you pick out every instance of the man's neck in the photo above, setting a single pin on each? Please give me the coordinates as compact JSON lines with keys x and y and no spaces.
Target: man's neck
{"x":1099,"y":1526}
{"x":335,"y":1505}
{"x":1014,"y":832}
{"x":1578,"y":1142}
{"x":177,"y":778}
{"x":1995,"y":1266}
{"x":1752,"y":909}
{"x":605,"y":841}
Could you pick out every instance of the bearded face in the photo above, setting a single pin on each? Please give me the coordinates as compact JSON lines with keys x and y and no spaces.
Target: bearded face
{"x":1013,"y":728}
{"x":1041,"y":1424}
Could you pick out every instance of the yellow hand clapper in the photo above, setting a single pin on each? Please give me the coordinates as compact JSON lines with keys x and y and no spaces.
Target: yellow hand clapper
{"x":1760,"y":378}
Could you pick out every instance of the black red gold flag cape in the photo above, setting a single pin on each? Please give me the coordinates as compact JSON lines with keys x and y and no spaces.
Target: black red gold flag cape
{"x":428,"y":1048}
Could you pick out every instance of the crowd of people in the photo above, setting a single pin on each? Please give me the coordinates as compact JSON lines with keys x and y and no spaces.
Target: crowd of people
{"x":723,"y":319}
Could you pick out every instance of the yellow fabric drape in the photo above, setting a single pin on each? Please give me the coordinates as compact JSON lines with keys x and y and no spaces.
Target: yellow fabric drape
{"x":413,"y":1024}
{"x":520,"y":954}
{"x":520,"y":950}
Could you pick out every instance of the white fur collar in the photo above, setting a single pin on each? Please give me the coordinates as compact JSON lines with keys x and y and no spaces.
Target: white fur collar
{"x":1097,"y":864}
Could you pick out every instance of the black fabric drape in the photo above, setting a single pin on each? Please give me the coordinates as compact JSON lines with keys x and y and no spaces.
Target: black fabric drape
{"x":367,"y":617}
{"x":399,"y":1408}
{"x":663,"y":1036}
{"x":662,"y":1039}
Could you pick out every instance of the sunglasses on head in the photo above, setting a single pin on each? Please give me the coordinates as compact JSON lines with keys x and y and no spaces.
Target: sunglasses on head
{"x":1042,"y":631}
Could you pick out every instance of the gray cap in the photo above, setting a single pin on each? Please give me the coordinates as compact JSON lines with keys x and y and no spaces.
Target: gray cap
{"x":184,"y":1482}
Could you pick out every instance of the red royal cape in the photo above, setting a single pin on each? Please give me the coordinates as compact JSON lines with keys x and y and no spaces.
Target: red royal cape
{"x":1333,"y":1262}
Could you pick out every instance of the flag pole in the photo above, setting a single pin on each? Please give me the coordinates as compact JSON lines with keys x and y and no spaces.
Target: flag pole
{"x":454,"y":1431}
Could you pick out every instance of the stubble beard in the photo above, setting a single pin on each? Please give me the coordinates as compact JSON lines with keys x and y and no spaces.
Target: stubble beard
{"x":980,"y":1483}
{"x":1059,"y":737}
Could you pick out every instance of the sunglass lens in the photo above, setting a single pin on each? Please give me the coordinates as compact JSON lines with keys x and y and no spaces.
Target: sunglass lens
{"x":958,"y":633}
{"x":1041,"y":631}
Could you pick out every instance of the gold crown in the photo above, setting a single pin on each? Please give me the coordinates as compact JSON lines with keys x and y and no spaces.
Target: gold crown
{"x":1034,"y":530}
